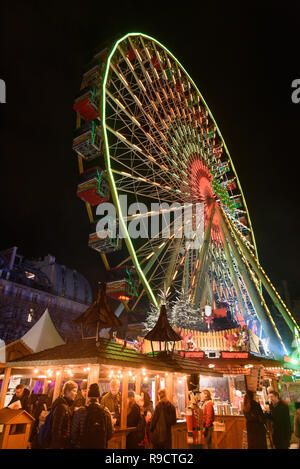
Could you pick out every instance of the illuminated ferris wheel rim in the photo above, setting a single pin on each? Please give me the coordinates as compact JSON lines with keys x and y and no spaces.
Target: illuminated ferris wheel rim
{"x":108,"y":155}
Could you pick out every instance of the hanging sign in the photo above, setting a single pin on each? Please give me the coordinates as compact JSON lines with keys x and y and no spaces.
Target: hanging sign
{"x":192,"y":354}
{"x":234,"y":354}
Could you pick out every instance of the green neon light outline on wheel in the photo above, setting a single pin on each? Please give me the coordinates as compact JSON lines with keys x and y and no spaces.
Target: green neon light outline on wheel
{"x":108,"y":166}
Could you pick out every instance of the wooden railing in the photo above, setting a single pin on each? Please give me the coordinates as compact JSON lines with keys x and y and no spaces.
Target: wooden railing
{"x":214,"y":340}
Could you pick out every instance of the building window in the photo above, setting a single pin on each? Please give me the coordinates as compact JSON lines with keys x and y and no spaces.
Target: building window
{"x":34,"y":298}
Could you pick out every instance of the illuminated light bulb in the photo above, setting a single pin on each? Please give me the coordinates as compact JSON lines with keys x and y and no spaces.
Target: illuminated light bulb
{"x":88,"y":368}
{"x":119,"y":372}
{"x":36,"y":371}
{"x":157,"y":376}
{"x":166,"y":374}
{"x":133,"y":378}
{"x":49,"y":380}
{"x":57,"y":373}
{"x":184,"y":377}
{"x":129,"y":373}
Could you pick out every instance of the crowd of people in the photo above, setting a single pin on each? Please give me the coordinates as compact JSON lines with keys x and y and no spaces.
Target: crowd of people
{"x":273,"y":421}
{"x":81,"y":418}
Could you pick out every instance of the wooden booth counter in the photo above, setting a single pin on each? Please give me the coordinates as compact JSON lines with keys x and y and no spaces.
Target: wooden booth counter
{"x":179,"y":435}
{"x":229,"y":432}
{"x":118,"y":440}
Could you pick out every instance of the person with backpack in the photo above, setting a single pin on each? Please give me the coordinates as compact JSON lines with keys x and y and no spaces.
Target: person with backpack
{"x":163,"y":418}
{"x":60,"y":419}
{"x":92,"y":424}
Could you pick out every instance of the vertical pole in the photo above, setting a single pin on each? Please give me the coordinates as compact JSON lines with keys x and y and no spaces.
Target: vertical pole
{"x":157,"y":385}
{"x":169,"y":386}
{"x":124,"y":397}
{"x":4,"y":386}
{"x":138,"y":384}
{"x":57,"y":386}
{"x":93,"y":376}
{"x":45,"y":385}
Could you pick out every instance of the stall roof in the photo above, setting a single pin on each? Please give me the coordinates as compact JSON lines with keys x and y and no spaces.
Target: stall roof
{"x":108,"y":352}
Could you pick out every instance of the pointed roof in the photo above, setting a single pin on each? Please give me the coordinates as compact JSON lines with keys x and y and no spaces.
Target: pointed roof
{"x":99,"y":311}
{"x":43,"y":335}
{"x":162,"y":331}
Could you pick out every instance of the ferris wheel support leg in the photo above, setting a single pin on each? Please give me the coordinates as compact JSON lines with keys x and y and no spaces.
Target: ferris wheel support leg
{"x":203,"y":260}
{"x":172,"y":263}
{"x":185,"y":280}
{"x":233,"y":276}
{"x":268,"y":286}
{"x":253,"y":293}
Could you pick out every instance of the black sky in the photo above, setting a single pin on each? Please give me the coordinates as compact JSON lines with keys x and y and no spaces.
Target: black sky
{"x":243,"y":60}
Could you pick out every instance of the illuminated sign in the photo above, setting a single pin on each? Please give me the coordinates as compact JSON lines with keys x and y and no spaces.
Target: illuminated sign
{"x":192,"y":354}
{"x":234,"y":354}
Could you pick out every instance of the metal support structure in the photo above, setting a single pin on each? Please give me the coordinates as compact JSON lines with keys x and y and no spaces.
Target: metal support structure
{"x":203,"y":258}
{"x":278,"y":303}
{"x":253,"y":291}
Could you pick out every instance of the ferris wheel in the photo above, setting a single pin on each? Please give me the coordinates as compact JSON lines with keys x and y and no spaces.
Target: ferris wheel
{"x":146,"y":132}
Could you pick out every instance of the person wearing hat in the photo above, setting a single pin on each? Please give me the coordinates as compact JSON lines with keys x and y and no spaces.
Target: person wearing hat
{"x":80,"y":399}
{"x":92,"y":424}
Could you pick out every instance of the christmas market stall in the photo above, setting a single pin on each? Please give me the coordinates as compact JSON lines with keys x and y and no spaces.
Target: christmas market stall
{"x":238,"y":357}
{"x":95,"y":359}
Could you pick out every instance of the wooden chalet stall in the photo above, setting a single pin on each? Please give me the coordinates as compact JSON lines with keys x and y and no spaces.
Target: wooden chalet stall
{"x":86,"y":360}
{"x":235,"y":355}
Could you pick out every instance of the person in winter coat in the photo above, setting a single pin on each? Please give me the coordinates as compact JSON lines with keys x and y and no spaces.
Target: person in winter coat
{"x":81,"y":396}
{"x":133,"y":420}
{"x":23,"y":395}
{"x":280,"y":420}
{"x":208,"y":418}
{"x":112,"y":400}
{"x":163,"y":418}
{"x":81,"y":436}
{"x":297,"y":422}
{"x":62,"y":416}
{"x":255,"y":419}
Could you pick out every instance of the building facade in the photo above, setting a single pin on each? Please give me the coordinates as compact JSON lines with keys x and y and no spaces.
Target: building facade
{"x":28,"y":287}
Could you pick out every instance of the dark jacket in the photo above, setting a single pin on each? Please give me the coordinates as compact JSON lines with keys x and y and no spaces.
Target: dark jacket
{"x":78,"y":426}
{"x":79,"y":401}
{"x":61,"y":423}
{"x":24,"y":399}
{"x":256,"y":433}
{"x":169,"y":413}
{"x":281,"y":425}
{"x":133,"y":419}
{"x":113,"y":403}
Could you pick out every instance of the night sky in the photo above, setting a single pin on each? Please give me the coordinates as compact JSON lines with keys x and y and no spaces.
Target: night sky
{"x":242,"y":60}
